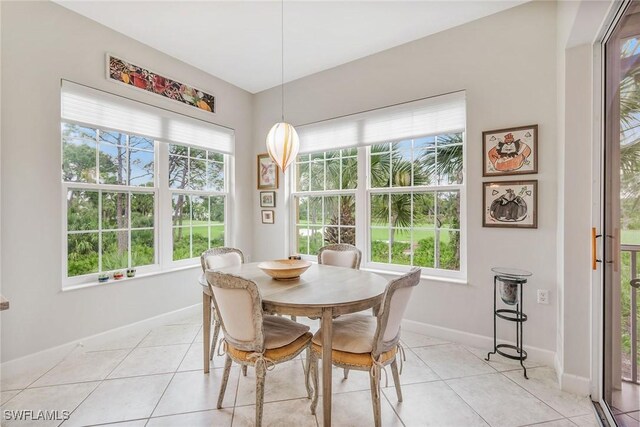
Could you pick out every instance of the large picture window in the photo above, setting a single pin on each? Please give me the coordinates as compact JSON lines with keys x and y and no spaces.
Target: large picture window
{"x":391,"y":182}
{"x":143,"y":187}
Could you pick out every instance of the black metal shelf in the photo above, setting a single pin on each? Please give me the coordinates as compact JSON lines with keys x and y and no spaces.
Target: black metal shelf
{"x":517,"y":316}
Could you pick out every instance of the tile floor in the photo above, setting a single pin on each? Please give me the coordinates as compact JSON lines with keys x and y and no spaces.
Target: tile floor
{"x":155,"y":379}
{"x":626,"y":405}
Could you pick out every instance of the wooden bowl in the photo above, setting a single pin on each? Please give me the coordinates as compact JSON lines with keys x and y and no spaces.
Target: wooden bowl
{"x":284,"y":269}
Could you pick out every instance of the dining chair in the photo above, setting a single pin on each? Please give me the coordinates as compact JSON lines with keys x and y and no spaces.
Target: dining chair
{"x":213,"y":259}
{"x":340,"y":255}
{"x":368,"y":343}
{"x":252,"y":338}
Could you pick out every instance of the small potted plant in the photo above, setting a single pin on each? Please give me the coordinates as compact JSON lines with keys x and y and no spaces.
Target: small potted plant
{"x":131,"y":272}
{"x":118,"y":275}
{"x":103,"y":278}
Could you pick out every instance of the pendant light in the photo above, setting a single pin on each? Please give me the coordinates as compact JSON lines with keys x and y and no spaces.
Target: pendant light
{"x":282,"y":140}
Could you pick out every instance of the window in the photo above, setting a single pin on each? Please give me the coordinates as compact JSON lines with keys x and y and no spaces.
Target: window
{"x":414,"y":202}
{"x":196,"y":180}
{"x":110,"y":199}
{"x":325,"y":199}
{"x":394,"y":188}
{"x":132,"y":199}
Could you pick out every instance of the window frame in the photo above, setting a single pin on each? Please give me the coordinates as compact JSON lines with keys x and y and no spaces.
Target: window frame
{"x":363,"y":192}
{"x":163,"y":227}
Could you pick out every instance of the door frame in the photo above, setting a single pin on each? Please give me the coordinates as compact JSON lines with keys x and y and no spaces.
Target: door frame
{"x":598,"y":205}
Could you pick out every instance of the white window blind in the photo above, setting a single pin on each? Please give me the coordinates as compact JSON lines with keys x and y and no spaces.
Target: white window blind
{"x":94,"y":107}
{"x":430,"y":116}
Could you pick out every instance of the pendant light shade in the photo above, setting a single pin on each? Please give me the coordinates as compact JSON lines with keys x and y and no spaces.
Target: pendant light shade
{"x":283,"y":144}
{"x":282,"y":140}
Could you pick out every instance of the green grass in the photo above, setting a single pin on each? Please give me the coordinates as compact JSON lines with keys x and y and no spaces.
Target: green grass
{"x":630,"y":237}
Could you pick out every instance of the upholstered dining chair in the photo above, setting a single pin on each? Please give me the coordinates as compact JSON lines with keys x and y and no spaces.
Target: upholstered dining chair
{"x":213,"y":259}
{"x":252,"y":338}
{"x":368,"y":343}
{"x":340,"y":255}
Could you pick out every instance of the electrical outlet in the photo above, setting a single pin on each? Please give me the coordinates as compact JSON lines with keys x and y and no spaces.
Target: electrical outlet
{"x":543,"y":296}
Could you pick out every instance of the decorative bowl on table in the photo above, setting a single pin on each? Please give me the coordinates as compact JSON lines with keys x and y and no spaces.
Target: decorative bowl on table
{"x":284,"y":269}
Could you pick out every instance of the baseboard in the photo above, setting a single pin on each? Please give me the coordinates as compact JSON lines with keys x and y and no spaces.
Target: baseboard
{"x":55,"y":354}
{"x":539,"y":355}
{"x":571,"y":383}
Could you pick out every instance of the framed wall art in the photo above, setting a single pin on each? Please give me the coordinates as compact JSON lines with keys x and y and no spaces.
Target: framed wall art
{"x":512,"y":151}
{"x":510,"y":204}
{"x":268,"y":217}
{"x":267,"y":173}
{"x":267,"y":199}
{"x":124,"y":72}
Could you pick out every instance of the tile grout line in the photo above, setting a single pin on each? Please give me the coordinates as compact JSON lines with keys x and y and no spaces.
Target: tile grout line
{"x":392,"y":408}
{"x":467,"y":403}
{"x":100,"y":382}
{"x":195,"y":336}
{"x":540,"y":399}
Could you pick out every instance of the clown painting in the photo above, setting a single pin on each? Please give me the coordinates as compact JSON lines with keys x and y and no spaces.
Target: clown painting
{"x":511,"y":151}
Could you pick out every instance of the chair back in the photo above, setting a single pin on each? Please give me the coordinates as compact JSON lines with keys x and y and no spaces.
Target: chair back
{"x":239,"y":308}
{"x":340,"y":255}
{"x":216,"y":258}
{"x":394,"y":304}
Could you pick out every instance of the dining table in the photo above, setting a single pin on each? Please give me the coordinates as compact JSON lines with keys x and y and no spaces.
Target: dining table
{"x":322,"y":292}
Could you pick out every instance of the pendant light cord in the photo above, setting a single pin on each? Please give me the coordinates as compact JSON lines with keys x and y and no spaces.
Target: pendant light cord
{"x":282,"y":53}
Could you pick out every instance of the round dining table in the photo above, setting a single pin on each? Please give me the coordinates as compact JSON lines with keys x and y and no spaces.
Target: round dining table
{"x":323,"y":292}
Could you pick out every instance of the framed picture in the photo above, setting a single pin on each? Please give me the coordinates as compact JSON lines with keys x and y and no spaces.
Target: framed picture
{"x":511,"y":204}
{"x":268,"y":217}
{"x":267,"y":173}
{"x":122,"y":71}
{"x":512,"y":151}
{"x":267,"y":199}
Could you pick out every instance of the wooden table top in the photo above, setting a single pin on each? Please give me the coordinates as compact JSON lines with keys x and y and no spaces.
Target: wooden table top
{"x":320,"y":286}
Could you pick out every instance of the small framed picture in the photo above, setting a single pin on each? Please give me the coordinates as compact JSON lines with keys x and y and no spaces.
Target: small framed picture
{"x":268,"y":217}
{"x":512,"y":151}
{"x":267,"y":173}
{"x":510,"y":204}
{"x":267,"y":199}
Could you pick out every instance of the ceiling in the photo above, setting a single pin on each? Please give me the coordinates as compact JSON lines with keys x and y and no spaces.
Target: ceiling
{"x":240,"y":41}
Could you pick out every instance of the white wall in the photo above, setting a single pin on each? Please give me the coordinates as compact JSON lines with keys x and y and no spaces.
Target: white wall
{"x":507,"y":65}
{"x":41,"y":44}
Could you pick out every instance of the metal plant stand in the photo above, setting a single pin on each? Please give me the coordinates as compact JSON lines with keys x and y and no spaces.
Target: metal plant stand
{"x":511,"y":283}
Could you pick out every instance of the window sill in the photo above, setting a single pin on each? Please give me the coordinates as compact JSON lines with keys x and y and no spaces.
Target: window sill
{"x":422,"y":276}
{"x":127,"y":279}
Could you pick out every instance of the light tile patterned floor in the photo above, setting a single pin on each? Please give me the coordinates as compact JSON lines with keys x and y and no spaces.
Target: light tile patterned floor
{"x":155,"y":379}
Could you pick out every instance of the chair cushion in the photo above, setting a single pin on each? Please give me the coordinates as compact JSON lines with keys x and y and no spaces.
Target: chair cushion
{"x":356,"y":360}
{"x":279,"y":331}
{"x":215,"y":262}
{"x":352,"y":333}
{"x":276,"y":354}
{"x":338,"y":258}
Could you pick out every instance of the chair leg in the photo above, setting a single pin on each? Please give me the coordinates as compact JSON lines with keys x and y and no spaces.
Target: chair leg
{"x":314,"y":375}
{"x":260,"y":377}
{"x":307,"y":371}
{"x":244,"y":370}
{"x":375,"y":398}
{"x":225,"y":380}
{"x":216,"y":332}
{"x":396,"y":379}
{"x":346,"y":373}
